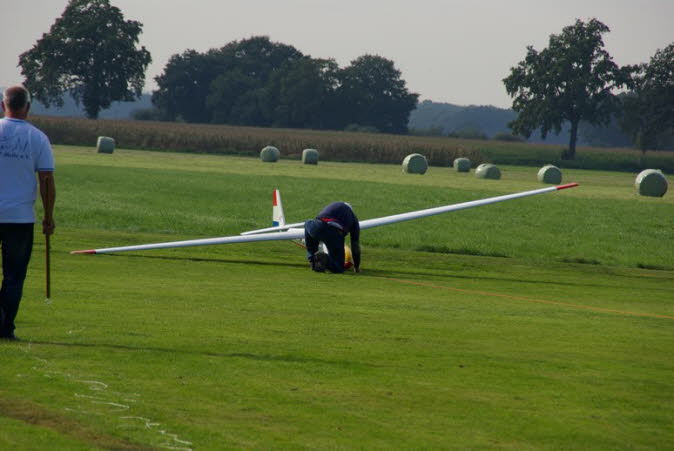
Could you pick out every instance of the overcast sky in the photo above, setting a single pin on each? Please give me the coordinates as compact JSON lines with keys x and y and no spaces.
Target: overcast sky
{"x":455,"y":51}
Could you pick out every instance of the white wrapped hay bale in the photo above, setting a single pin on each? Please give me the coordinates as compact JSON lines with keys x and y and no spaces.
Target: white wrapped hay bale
{"x":651,"y":182}
{"x":488,"y":171}
{"x":310,"y":156}
{"x":462,"y":164}
{"x":105,"y":144}
{"x":415,"y":164}
{"x":270,"y":154}
{"x":550,"y":174}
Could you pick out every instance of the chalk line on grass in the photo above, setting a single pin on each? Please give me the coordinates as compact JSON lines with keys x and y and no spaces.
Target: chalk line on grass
{"x":149,"y":424}
{"x":103,"y":398}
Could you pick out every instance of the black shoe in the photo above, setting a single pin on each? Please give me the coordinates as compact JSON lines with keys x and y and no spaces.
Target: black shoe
{"x":320,"y":262}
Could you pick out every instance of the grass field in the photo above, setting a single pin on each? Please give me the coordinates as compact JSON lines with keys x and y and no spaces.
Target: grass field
{"x":541,"y":323}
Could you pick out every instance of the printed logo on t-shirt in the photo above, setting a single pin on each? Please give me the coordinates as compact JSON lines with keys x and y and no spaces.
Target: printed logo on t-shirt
{"x":15,"y":147}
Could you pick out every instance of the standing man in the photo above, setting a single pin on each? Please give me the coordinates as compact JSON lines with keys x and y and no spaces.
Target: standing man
{"x":330,"y":227}
{"x":24,"y":151}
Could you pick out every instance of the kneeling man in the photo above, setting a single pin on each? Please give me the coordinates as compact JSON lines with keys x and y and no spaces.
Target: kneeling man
{"x":331,"y":225}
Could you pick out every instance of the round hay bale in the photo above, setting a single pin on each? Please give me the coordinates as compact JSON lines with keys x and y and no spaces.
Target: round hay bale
{"x":462,"y":164}
{"x":415,"y":164}
{"x":651,"y":182}
{"x":105,"y":144}
{"x":550,"y":174}
{"x":310,"y":156}
{"x":270,"y":154}
{"x":488,"y":171}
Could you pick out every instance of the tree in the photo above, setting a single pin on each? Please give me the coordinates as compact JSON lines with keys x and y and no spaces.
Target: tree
{"x":90,"y":52}
{"x":238,"y":94}
{"x":302,"y":94}
{"x":225,"y":85}
{"x":373,"y":94}
{"x":571,"y":80}
{"x":184,"y":85}
{"x":649,"y":109}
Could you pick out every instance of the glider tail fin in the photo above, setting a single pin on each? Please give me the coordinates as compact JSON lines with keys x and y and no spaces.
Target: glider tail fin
{"x":278,"y":218}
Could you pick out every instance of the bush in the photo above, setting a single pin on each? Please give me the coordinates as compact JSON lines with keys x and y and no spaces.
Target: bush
{"x":360,"y":128}
{"x":507,"y":137}
{"x":468,"y":133}
{"x":147,"y":114}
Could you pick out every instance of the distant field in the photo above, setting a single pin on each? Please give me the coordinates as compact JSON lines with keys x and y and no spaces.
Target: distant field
{"x":603,"y":221}
{"x":536,"y":323}
{"x":339,"y":146}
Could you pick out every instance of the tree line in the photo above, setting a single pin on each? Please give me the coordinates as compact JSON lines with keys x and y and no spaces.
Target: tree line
{"x":262,"y":83}
{"x":92,"y":54}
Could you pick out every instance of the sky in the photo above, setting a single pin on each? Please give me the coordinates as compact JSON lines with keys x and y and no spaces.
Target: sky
{"x":454,"y":51}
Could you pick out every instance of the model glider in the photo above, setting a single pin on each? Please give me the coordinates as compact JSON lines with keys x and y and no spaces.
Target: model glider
{"x":283,"y":231}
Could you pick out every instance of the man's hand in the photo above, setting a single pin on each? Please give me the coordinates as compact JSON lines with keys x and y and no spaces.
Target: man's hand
{"x":48,"y":226}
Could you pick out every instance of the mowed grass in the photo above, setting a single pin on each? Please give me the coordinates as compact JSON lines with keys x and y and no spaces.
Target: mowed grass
{"x":243,"y":347}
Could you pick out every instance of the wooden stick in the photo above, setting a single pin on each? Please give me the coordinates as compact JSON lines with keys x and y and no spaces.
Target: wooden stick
{"x":47,"y":249}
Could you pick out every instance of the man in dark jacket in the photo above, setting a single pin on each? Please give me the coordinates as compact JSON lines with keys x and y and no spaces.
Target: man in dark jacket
{"x":331,"y":225}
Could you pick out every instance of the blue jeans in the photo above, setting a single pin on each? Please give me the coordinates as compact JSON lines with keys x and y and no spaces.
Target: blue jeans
{"x":316,"y":231}
{"x":17,"y":245}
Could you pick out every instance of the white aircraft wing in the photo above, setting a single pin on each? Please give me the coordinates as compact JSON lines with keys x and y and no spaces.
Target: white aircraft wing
{"x":369,"y":223}
{"x":293,"y":234}
{"x":298,"y":233}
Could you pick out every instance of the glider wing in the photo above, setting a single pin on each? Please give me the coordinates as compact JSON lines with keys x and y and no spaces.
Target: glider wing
{"x":288,"y":232}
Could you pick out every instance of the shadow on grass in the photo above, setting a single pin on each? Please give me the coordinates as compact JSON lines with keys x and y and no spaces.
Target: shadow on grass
{"x":382,"y":273}
{"x":437,"y":277}
{"x":233,"y":355}
{"x":213,"y":260}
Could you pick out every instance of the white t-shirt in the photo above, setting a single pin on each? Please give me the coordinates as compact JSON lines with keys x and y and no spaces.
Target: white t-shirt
{"x":24,"y":150}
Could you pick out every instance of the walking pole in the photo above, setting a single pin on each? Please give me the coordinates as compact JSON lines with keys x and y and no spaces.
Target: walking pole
{"x":47,"y":248}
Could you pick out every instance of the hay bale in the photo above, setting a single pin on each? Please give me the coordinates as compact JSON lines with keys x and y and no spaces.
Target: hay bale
{"x":310,"y":156}
{"x":415,"y":164}
{"x":488,"y":171}
{"x":550,"y":174}
{"x":651,"y":182}
{"x":270,"y":154}
{"x":462,"y":164}
{"x":105,"y":144}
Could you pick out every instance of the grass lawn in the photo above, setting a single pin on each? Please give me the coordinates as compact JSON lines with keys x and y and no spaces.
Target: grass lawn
{"x":502,"y":336}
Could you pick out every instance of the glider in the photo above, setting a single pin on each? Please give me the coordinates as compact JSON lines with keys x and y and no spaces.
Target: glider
{"x":283,"y":231}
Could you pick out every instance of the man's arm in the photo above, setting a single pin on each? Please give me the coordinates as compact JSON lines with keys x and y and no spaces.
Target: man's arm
{"x":48,"y":195}
{"x":355,"y":246}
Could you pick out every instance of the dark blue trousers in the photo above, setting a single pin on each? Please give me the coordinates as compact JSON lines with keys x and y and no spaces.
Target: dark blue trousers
{"x":17,"y":245}
{"x":316,"y":231}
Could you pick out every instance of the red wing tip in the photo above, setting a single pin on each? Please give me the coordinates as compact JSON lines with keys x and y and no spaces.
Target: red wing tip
{"x":568,"y":185}
{"x":87,"y":251}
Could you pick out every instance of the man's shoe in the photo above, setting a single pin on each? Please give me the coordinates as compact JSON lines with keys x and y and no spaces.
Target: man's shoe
{"x":320,"y":262}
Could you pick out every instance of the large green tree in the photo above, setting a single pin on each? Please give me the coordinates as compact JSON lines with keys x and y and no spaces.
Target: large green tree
{"x":303,"y":94}
{"x":185,"y":85}
{"x":90,"y":52}
{"x":572,"y":80}
{"x":238,"y":94}
{"x":373,"y":94}
{"x":649,"y":108}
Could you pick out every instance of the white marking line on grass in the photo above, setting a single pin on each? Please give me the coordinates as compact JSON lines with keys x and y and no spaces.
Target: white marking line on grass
{"x":521,"y":298}
{"x":101,"y":399}
{"x":94,"y":385}
{"x":149,"y":424}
